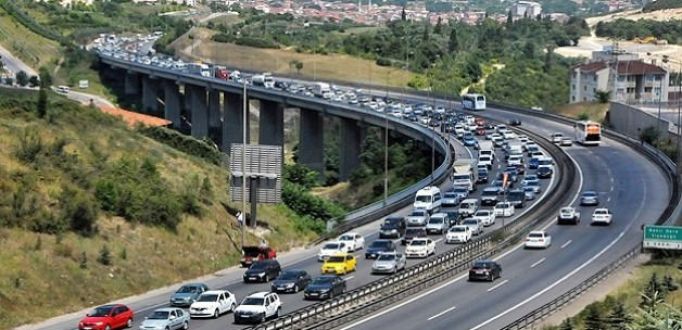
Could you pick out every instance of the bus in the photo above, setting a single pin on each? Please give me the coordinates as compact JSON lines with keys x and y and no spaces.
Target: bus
{"x":588,"y":133}
{"x":473,"y":102}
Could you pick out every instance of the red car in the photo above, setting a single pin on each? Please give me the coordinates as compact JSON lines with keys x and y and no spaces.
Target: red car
{"x":250,"y":254}
{"x":107,"y":317}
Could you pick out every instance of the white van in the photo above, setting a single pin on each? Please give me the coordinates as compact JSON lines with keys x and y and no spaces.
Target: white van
{"x":429,"y":199}
{"x":468,"y":207}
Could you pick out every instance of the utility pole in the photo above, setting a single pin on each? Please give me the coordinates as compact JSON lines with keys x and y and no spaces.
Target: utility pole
{"x":244,"y":129}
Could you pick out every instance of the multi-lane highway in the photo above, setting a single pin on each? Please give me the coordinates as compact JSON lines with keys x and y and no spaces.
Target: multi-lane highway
{"x":627,"y":183}
{"x":232,"y":280}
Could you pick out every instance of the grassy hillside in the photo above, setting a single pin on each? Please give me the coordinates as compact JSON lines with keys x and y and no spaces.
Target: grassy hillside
{"x":92,"y":211}
{"x":662,"y":4}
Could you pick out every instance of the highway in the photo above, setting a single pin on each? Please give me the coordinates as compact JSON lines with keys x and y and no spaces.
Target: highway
{"x":232,"y":279}
{"x":628,"y":183}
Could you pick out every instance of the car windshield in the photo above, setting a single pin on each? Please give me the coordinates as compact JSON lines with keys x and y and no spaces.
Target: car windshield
{"x":437,"y":220}
{"x":323,"y":280}
{"x":483,"y":213}
{"x":502,"y":205}
{"x":386,"y":257}
{"x":101,"y":311}
{"x":159,"y":315}
{"x":470,"y":222}
{"x":489,"y":192}
{"x":289,"y":276}
{"x":458,"y":229}
{"x":450,"y":195}
{"x":461,"y":189}
{"x":331,"y":246}
{"x":336,"y":259}
{"x":482,"y":265}
{"x":601,"y":212}
{"x":253,"y":301}
{"x":346,"y":238}
{"x":589,"y":194}
{"x":380,"y":244}
{"x":258,"y":266}
{"x":188,"y":289}
{"x":423,"y":199}
{"x":484,"y":159}
{"x":391,"y":222}
{"x":536,"y":235}
{"x":418,"y":242}
{"x":532,"y":183}
{"x":413,"y":231}
{"x":208,"y":297}
{"x":418,"y":213}
{"x":545,"y":162}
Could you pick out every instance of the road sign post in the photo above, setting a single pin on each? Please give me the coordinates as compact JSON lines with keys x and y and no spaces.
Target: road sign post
{"x":662,"y":237}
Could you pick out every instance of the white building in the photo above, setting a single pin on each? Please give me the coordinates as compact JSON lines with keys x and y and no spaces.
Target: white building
{"x":526,"y":9}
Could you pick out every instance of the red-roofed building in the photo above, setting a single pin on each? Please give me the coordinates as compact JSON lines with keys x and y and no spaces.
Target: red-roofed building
{"x":635,"y":81}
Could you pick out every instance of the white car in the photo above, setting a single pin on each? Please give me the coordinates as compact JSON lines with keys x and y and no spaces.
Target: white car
{"x":458,"y":234}
{"x":420,"y":248}
{"x":509,"y":135}
{"x":557,"y":137}
{"x":515,"y":160}
{"x":332,"y":248}
{"x":474,"y":225}
{"x":568,"y":214}
{"x":538,"y":239}
{"x":487,"y":217}
{"x":486,"y":161}
{"x":213,"y":304}
{"x":258,"y":307}
{"x":602,"y":216}
{"x":353,"y":240}
{"x":504,"y":209}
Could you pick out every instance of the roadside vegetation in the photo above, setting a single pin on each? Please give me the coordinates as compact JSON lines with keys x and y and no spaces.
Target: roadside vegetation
{"x":625,"y":29}
{"x":662,"y":4}
{"x":650,"y":299}
{"x":79,"y":210}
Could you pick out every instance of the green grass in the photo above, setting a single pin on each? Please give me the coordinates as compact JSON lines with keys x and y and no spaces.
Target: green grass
{"x":140,"y":258}
{"x":31,"y":48}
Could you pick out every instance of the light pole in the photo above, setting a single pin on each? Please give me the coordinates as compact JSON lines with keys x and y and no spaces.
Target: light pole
{"x":386,"y":144}
{"x":244,"y":129}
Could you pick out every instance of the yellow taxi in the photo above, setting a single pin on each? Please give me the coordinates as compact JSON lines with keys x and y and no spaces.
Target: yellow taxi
{"x":339,"y":264}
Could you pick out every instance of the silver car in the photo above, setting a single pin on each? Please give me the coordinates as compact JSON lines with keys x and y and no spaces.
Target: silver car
{"x":474,"y":225}
{"x":170,"y":318}
{"x":389,"y":263}
{"x":589,"y":198}
{"x":418,"y":217}
{"x":187,"y":294}
{"x":438,"y":224}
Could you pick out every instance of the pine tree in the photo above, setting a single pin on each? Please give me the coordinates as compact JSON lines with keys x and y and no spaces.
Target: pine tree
{"x":669,"y":284}
{"x":438,"y":29}
{"x":403,"y":14}
{"x":593,"y":320}
{"x":548,"y":59}
{"x":41,"y":106}
{"x":510,"y":19}
{"x":618,"y":319}
{"x":104,"y":257}
{"x":653,"y":289}
{"x":453,"y":44}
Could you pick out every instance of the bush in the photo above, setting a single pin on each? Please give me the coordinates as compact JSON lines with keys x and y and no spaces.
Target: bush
{"x":79,"y":211}
{"x":104,"y":257}
{"x":256,"y":42}
{"x":183,"y":143}
{"x":297,"y":198}
{"x":382,"y":61}
{"x":301,"y":175}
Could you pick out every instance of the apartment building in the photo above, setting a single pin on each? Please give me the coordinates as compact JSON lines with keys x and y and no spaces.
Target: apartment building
{"x":526,"y":9}
{"x":636,"y":82}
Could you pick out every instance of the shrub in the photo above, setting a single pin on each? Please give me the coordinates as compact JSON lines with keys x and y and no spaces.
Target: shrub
{"x":104,"y":257}
{"x":297,"y":198}
{"x":30,"y":145}
{"x":382,"y":61}
{"x":79,"y":211}
{"x":183,"y":143}
{"x":301,"y":175}
{"x":256,"y":42}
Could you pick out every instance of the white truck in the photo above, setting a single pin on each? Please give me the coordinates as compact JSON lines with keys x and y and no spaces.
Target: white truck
{"x":321,"y":89}
{"x":199,"y":69}
{"x":486,"y":148}
{"x":463,"y":174}
{"x":264,"y":80}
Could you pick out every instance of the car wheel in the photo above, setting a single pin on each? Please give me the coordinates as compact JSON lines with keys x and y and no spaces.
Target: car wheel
{"x":263,"y":318}
{"x":266,"y":278}
{"x":216,"y":313}
{"x":491,"y":277}
{"x":232,"y":307}
{"x":129,"y":323}
{"x":185,"y":326}
{"x":276,"y":314}
{"x":296,"y":288}
{"x":108,"y":327}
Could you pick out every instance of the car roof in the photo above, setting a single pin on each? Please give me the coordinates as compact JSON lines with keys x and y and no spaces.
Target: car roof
{"x":538,"y":232}
{"x":166,"y":309}
{"x":215,"y":292}
{"x":261,"y":294}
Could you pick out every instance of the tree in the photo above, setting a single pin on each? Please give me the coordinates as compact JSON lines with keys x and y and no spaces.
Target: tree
{"x":603,"y":96}
{"x":104,"y":257}
{"x":453,"y":43}
{"x":33,"y":81}
{"x":45,"y":77}
{"x":403,"y":14}
{"x":593,"y":320}
{"x":438,"y":29}
{"x":41,"y":106}
{"x":619,"y":318}
{"x":21,"y":78}
{"x":548,"y":59}
{"x":654,"y":290}
{"x":510,"y":19}
{"x":299,"y":66}
{"x":566,"y":325}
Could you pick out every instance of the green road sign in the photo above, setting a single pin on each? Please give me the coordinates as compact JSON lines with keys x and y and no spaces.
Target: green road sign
{"x":663,"y":237}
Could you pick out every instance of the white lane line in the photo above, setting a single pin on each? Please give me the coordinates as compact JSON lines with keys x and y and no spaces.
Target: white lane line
{"x":611,"y":190}
{"x":538,"y":262}
{"x":438,"y":240}
{"x":567,"y":243}
{"x":348,"y":278}
{"x":442,"y":313}
{"x":575,"y":271}
{"x":608,"y":199}
{"x":423,"y":294}
{"x":498,"y":285}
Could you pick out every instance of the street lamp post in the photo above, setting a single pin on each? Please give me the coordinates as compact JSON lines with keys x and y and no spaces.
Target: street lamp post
{"x":244,"y":129}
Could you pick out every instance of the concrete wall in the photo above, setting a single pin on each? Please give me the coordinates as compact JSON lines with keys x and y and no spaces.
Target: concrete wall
{"x":631,"y":121}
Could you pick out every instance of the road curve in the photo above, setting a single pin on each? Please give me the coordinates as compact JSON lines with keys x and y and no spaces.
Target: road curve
{"x":633,"y":187}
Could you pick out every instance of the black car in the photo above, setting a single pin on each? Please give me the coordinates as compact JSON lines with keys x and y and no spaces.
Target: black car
{"x":325,"y":287}
{"x":483,"y":175}
{"x":292,"y":280}
{"x":393,"y":227}
{"x":485,"y":270}
{"x":454,"y":217}
{"x":544,"y":172}
{"x":412,"y":233}
{"x":262,"y":271}
{"x":515,"y":122}
{"x":379,"y":246}
{"x":517,"y":197}
{"x":490,"y":196}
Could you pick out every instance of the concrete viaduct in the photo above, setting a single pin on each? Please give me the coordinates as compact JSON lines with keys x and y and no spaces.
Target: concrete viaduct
{"x":201,"y":102}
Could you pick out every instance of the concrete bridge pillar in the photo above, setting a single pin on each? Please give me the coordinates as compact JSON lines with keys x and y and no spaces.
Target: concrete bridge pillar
{"x":149,"y":95}
{"x":199,"y":110}
{"x":233,"y":121}
{"x":311,"y":140}
{"x":351,"y":140}
{"x":172,"y":108}
{"x":132,"y":83}
{"x":214,"y":110}
{"x":271,"y":124}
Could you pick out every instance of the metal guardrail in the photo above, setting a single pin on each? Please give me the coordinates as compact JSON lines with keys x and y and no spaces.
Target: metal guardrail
{"x":360,"y":216}
{"x":670,"y":214}
{"x":372,"y":296}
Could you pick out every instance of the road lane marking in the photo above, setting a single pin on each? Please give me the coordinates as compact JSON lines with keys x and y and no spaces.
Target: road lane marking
{"x":438,"y":240}
{"x":575,"y":271}
{"x":442,"y":313}
{"x":348,"y":278}
{"x":567,"y":243}
{"x":538,"y":262}
{"x":498,"y":285}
